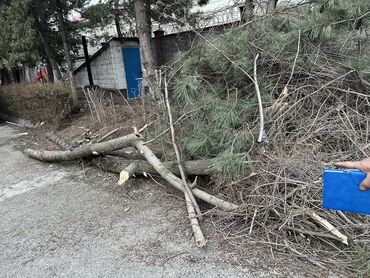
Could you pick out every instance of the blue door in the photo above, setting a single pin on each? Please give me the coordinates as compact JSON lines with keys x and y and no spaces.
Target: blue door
{"x":132,"y":62}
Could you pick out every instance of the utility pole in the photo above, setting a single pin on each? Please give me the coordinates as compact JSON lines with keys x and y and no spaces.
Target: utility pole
{"x":87,"y":61}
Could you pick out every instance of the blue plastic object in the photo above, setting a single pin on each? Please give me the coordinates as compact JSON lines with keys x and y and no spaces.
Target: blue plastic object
{"x":340,"y":191}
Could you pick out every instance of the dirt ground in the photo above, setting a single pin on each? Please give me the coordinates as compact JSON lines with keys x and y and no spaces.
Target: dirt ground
{"x":73,"y":220}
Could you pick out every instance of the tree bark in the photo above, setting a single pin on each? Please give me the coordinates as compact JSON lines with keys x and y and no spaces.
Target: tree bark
{"x":10,"y":75}
{"x":200,"y":241}
{"x":65,"y":145}
{"x":117,"y":19}
{"x":248,"y":11}
{"x":59,"y":141}
{"x":83,"y":151}
{"x":48,"y":51}
{"x":144,"y":32}
{"x":188,"y":192}
{"x":176,"y":182}
{"x":49,"y":67}
{"x":271,"y":6}
{"x":129,"y":156}
{"x":193,"y":168}
{"x":122,"y":142}
{"x":127,"y":173}
{"x":67,"y":50}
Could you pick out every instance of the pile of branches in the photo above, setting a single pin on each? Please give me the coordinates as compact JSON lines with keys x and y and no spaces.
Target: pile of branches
{"x":316,"y":111}
{"x":262,"y":109}
{"x":112,"y":155}
{"x":321,"y":117}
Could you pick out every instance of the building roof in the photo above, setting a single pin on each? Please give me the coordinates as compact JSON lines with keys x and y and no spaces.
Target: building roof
{"x":103,"y":48}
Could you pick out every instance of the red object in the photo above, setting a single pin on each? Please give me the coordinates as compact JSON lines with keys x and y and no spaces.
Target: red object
{"x":41,"y":75}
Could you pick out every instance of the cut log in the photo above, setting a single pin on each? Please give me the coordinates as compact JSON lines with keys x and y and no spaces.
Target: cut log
{"x":134,"y":140}
{"x":63,"y":144}
{"x":127,"y":173}
{"x":129,"y":156}
{"x":192,"y":168}
{"x":176,"y":182}
{"x":191,"y":203}
{"x":84,"y":151}
{"x":108,"y":134}
{"x":200,"y":241}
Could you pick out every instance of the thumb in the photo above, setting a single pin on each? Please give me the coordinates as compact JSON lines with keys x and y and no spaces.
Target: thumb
{"x":349,"y":164}
{"x":365,"y":184}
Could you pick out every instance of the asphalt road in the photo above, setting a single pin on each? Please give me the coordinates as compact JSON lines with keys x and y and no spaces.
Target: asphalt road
{"x":72,"y":221}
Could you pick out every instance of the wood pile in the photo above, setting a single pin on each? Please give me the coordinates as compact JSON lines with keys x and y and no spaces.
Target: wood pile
{"x":143,"y":162}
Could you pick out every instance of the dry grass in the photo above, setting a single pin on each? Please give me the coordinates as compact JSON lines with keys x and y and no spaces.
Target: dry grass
{"x":319,"y":118}
{"x":40,"y":102}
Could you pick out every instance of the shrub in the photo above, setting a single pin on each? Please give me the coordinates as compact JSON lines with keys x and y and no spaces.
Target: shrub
{"x":48,"y":102}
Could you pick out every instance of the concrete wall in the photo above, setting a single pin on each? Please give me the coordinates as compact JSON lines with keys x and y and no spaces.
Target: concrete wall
{"x":172,"y":44}
{"x":108,"y":68}
{"x":102,"y":72}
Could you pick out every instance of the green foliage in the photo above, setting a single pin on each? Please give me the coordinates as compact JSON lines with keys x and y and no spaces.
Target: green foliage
{"x":361,"y":261}
{"x":209,"y":80}
{"x":98,"y":15}
{"x":331,"y":18}
{"x":163,"y":12}
{"x":229,"y":166}
{"x":17,"y":37}
{"x":22,"y":20}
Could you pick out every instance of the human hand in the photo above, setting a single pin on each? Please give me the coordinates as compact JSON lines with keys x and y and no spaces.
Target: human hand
{"x":363,"y":165}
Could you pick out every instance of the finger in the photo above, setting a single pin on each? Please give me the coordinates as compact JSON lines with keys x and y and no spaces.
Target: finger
{"x":349,"y":164}
{"x":365,"y":184}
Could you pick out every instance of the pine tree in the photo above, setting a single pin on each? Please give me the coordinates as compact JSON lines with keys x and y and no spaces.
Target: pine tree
{"x":17,"y":37}
{"x":221,"y":98}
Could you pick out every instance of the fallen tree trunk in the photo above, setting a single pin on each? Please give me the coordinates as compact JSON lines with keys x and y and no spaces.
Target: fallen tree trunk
{"x":107,"y":135}
{"x":176,"y":182}
{"x":200,"y":241}
{"x":191,"y":203}
{"x":129,"y":156}
{"x":193,"y":168}
{"x":125,"y":155}
{"x":63,"y":144}
{"x":126,"y":141}
{"x":116,"y":164}
{"x":127,"y":173}
{"x":84,"y":151}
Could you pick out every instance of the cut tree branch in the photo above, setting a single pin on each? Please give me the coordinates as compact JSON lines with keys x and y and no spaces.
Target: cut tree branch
{"x":84,"y":151}
{"x":127,"y":173}
{"x":63,"y":144}
{"x":193,"y":168}
{"x":176,"y":182}
{"x":260,"y":136}
{"x":191,"y":204}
